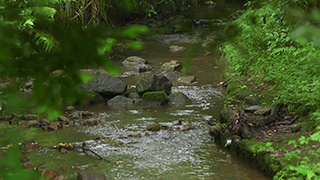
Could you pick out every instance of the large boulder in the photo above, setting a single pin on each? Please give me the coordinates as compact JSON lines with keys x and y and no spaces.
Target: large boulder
{"x":178,"y":97}
{"x":120,"y":100}
{"x":156,"y":82}
{"x":156,"y":98}
{"x":106,"y":85}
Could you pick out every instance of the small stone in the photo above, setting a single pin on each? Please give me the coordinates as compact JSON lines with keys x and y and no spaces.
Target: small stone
{"x":252,"y":109}
{"x":64,"y":168}
{"x":295,"y":127}
{"x":187,"y":128}
{"x":29,"y":117}
{"x":50,"y":174}
{"x":134,"y":60}
{"x":63,"y":119}
{"x":171,"y":66}
{"x":215,"y":130}
{"x":52,"y":127}
{"x":142,"y":68}
{"x":70,"y":108}
{"x":263,"y":111}
{"x":133,"y":95}
{"x":154,"y":127}
{"x":187,"y":79}
{"x":176,"y":48}
{"x":63,"y":151}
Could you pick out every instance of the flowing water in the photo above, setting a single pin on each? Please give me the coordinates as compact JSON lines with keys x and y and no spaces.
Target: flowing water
{"x":135,"y":153}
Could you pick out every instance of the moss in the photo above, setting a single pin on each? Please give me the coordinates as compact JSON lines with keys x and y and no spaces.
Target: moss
{"x":155,"y":96}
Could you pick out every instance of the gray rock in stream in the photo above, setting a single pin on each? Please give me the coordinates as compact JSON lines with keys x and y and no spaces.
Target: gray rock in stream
{"x":171,"y":66}
{"x":156,"y":82}
{"x":86,"y":175}
{"x":120,"y":100}
{"x":142,"y":68}
{"x":106,"y":86}
{"x":134,"y":60}
{"x":178,"y":97}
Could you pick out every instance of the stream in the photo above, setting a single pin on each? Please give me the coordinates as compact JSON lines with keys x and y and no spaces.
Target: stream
{"x":173,"y":153}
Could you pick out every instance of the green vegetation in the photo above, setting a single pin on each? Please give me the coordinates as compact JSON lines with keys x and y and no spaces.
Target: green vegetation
{"x":277,"y":42}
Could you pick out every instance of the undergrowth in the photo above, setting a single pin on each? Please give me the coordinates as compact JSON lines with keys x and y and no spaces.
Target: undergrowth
{"x":277,"y":42}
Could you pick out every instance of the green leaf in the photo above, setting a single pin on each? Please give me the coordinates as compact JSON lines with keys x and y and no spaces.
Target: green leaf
{"x":135,"y":45}
{"x":85,"y":77}
{"x":135,"y":31}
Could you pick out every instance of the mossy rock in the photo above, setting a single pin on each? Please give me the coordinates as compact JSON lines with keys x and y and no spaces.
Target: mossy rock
{"x":154,"y":98}
{"x":226,"y":115}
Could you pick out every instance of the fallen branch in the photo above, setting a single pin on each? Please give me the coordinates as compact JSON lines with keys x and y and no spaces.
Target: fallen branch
{"x":86,"y":149}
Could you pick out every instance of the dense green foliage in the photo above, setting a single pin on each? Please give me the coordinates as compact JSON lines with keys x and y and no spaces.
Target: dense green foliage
{"x":278,"y":42}
{"x":34,"y":47}
{"x":268,"y":48}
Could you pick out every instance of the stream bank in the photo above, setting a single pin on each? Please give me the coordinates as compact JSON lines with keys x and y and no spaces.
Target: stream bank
{"x":258,"y":132}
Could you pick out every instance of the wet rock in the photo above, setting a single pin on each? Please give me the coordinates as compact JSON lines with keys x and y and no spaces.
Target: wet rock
{"x":91,"y":122}
{"x":142,"y":68}
{"x":86,"y":175}
{"x":70,"y":108}
{"x":63,"y":119}
{"x":215,"y":130}
{"x":252,"y":109}
{"x":263,"y":111}
{"x":178,"y":97}
{"x":52,"y":127}
{"x":134,"y":60}
{"x":226,"y":115}
{"x":50,"y":174}
{"x":133,"y":95}
{"x":29,"y":117}
{"x":251,"y":100}
{"x":295,"y":127}
{"x":187,"y":79}
{"x":156,"y":98}
{"x":63,"y":151}
{"x":156,"y":82}
{"x":29,"y":146}
{"x":154,"y":127}
{"x":64,"y":168}
{"x":7,"y":117}
{"x":176,"y":48}
{"x":187,"y":128}
{"x":106,"y":86}
{"x":173,"y":76}
{"x":171,"y":66}
{"x":120,"y":100}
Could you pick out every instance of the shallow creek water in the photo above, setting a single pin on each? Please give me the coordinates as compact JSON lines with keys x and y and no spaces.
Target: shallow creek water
{"x":136,"y":153}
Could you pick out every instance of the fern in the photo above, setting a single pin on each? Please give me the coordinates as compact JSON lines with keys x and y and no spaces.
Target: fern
{"x":47,"y":40}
